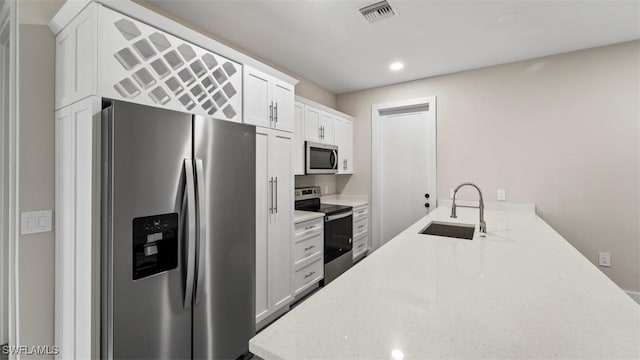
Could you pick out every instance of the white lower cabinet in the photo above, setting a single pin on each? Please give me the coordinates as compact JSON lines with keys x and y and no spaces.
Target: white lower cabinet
{"x":274,"y":219}
{"x":308,"y":265}
{"x":360,"y":231}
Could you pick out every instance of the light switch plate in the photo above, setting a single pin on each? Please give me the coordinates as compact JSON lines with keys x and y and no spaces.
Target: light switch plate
{"x":33,"y":222}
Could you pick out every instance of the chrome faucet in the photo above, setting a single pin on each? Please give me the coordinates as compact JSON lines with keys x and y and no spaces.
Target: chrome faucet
{"x":483,"y":225}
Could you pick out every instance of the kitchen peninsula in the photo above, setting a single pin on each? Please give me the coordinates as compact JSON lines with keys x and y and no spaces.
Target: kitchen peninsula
{"x":522,"y":291}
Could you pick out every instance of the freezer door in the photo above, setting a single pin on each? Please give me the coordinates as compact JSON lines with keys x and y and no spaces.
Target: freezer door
{"x":146,"y":314}
{"x":224,"y":308}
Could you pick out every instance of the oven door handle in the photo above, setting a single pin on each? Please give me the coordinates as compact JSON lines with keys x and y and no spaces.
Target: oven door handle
{"x":339,"y":216}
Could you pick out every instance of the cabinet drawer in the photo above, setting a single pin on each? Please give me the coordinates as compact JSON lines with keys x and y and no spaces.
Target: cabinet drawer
{"x":307,"y":246}
{"x":308,"y":275}
{"x":359,"y":245}
{"x":360,"y":213}
{"x":360,"y":226}
{"x":308,"y":228}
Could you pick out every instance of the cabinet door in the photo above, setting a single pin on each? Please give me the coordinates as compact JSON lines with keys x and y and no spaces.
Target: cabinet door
{"x":65,"y":239}
{"x":263,"y":204}
{"x":326,"y":123}
{"x":311,"y":124}
{"x":76,"y":223}
{"x":283,"y":99}
{"x":76,"y":58}
{"x":281,"y":224}
{"x":65,"y":65}
{"x":298,"y":139}
{"x":348,"y":144}
{"x":257,"y":98}
{"x":339,"y":136}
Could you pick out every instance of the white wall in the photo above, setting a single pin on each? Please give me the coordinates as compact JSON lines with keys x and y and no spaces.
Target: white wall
{"x":36,"y":270}
{"x":561,"y":132}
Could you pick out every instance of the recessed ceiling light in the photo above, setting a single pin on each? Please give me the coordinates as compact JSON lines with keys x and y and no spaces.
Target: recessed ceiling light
{"x":508,"y":17}
{"x":396,"y":66}
{"x":397,"y":354}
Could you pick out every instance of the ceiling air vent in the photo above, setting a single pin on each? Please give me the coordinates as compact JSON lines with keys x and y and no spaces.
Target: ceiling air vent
{"x":377,"y":11}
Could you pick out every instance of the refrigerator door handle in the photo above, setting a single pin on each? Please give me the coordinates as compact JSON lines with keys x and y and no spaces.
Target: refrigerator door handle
{"x":191,"y":231}
{"x":202,"y":228}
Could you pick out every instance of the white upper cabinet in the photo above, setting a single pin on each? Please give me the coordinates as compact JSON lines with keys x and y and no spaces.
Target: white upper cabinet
{"x":317,"y":123}
{"x":144,"y":65}
{"x":257,"y":98}
{"x":326,"y":126}
{"x":77,"y":58}
{"x":283,"y":100}
{"x":298,"y":139}
{"x":318,"y":126}
{"x":312,"y":128}
{"x":268,"y":102}
{"x":344,"y":141}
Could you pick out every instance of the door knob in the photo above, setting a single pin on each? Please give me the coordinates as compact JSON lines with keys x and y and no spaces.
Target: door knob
{"x":426,"y":196}
{"x":426,"y":205}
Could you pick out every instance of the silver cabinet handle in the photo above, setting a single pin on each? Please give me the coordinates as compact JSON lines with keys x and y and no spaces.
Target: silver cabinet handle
{"x":275,"y":112}
{"x":361,"y":245}
{"x":202,"y":228}
{"x":361,"y":226}
{"x":309,"y":227}
{"x":271,"y":195}
{"x":271,"y":113}
{"x":191,"y":231}
{"x":320,"y":132}
{"x":275,"y":208}
{"x":309,"y":248}
{"x":309,"y":274}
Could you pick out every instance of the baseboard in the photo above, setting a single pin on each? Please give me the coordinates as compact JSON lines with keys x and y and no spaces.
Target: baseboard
{"x":634,"y":295}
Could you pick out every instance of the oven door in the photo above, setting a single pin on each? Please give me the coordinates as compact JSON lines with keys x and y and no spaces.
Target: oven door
{"x":321,"y":158}
{"x":338,"y":235}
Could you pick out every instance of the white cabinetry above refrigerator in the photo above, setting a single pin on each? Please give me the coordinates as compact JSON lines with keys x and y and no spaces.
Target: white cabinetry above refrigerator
{"x":268,"y":102}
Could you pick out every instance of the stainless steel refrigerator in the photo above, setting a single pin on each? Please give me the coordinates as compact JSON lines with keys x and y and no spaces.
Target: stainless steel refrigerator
{"x":178,"y":235}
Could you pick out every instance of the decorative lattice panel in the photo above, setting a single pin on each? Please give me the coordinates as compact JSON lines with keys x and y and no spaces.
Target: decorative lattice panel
{"x":145,"y":65}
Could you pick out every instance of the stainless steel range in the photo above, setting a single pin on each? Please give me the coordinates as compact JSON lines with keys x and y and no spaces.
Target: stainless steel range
{"x":338,"y":231}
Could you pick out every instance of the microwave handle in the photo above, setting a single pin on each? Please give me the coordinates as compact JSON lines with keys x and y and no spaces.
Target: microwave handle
{"x":334,"y":165}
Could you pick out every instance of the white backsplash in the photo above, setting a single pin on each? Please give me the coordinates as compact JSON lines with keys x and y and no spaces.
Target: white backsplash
{"x":327,"y":183}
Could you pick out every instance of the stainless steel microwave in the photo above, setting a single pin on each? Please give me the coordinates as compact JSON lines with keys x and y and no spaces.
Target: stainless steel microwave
{"x":320,"y":158}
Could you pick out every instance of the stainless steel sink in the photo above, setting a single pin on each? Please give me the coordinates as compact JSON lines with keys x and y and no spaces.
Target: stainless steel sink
{"x":453,"y":230}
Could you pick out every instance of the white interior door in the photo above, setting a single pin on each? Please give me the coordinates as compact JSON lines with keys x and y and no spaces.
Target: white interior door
{"x":406,"y":168}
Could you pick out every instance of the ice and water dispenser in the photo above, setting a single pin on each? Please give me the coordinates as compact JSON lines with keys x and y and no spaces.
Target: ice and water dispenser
{"x":155,"y":244}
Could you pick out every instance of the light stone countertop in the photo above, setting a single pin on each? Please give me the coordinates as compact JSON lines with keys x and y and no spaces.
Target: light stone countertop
{"x":345,"y":200}
{"x":302,"y":216}
{"x":520,"y":292}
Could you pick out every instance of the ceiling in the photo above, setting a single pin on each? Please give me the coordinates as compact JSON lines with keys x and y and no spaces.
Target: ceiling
{"x":329,"y":42}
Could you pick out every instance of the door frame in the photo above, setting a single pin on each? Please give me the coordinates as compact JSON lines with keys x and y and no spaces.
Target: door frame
{"x":376,"y":166}
{"x":10,"y":179}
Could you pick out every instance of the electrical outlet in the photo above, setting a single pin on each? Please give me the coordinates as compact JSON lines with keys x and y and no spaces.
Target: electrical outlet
{"x":604,"y":259}
{"x":326,"y":189}
{"x":502,"y":195}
